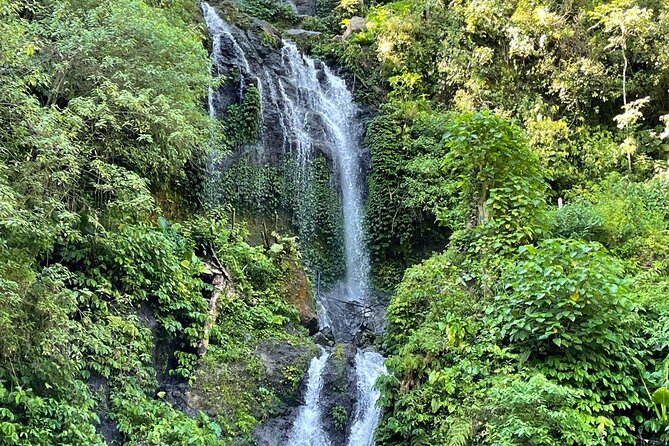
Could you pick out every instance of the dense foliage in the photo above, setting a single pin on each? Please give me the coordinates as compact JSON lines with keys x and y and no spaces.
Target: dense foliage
{"x":533,"y":326}
{"x":520,"y":152}
{"x":517,"y":212}
{"x":105,"y":260}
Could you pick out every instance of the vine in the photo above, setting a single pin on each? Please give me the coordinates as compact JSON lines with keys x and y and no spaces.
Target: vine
{"x":304,"y":197}
{"x":241,"y":123}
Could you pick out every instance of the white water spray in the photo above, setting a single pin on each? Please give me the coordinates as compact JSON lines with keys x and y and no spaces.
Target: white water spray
{"x":329,"y":103}
{"x":368,"y":367}
{"x":307,"y":430}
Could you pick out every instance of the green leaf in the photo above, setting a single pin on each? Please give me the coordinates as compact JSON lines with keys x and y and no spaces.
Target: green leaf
{"x":661,"y":396}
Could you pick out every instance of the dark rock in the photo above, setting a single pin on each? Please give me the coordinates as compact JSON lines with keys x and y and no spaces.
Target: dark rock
{"x":370,"y":332}
{"x":277,"y":358}
{"x":275,"y":431}
{"x":355,"y":24}
{"x":325,"y":337}
{"x":178,"y":394}
{"x":281,"y":360}
{"x":338,"y":393}
{"x":312,"y":325}
{"x":365,"y":337}
{"x":305,"y":7}
{"x":265,"y":39}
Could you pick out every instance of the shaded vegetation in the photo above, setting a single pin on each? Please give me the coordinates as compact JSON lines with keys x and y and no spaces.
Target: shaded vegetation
{"x":106,"y":256}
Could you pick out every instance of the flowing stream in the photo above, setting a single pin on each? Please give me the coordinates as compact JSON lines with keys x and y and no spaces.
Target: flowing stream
{"x":368,"y":367}
{"x":307,"y":430}
{"x":314,"y":111}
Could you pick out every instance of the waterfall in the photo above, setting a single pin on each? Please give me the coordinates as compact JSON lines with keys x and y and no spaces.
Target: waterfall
{"x":306,"y":109}
{"x":368,"y":367}
{"x":330,"y":103}
{"x":220,"y":30}
{"x":307,"y":429}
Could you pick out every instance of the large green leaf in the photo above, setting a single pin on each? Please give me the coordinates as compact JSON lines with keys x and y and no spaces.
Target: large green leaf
{"x":661,"y":396}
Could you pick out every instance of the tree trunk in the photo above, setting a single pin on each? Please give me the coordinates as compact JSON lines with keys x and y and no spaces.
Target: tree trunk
{"x":222,"y":285}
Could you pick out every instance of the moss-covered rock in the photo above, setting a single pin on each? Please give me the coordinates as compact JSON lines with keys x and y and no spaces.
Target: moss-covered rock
{"x":284,"y":365}
{"x":239,"y":394}
{"x":296,"y":290}
{"x":338,"y":394}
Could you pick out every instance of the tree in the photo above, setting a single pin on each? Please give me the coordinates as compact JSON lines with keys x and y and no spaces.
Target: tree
{"x":623,"y":20}
{"x":494,"y":178}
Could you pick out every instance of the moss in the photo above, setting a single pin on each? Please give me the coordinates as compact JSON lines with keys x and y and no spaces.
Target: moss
{"x":226,"y":388}
{"x":292,"y":374}
{"x":339,"y":358}
{"x":283,"y":195}
{"x":239,"y":393}
{"x":339,"y":353}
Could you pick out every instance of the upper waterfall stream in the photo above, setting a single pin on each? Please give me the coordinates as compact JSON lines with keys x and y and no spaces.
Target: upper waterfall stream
{"x":314,"y":111}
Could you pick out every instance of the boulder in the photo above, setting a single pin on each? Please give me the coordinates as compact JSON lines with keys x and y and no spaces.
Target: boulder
{"x":285,"y":365}
{"x":218,"y":388}
{"x":339,"y":393}
{"x":355,"y":24}
{"x":296,"y":290}
{"x":325,"y":337}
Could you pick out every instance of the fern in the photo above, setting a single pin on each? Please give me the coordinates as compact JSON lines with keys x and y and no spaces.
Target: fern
{"x":459,"y":432}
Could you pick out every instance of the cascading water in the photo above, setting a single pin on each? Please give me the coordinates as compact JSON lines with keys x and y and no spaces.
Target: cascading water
{"x":368,"y":367}
{"x":328,"y":100}
{"x":322,"y":113}
{"x":220,"y":30}
{"x":314,"y":111}
{"x":307,"y":430}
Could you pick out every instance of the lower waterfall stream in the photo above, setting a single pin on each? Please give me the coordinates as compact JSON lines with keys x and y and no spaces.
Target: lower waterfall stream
{"x":368,"y":367}
{"x":314,"y":111}
{"x":307,"y":430}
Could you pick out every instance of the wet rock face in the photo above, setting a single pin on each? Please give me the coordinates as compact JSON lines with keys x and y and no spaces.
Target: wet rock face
{"x":338,"y":393}
{"x":297,"y":291}
{"x":257,"y":56}
{"x":275,"y":431}
{"x":284,"y":366}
